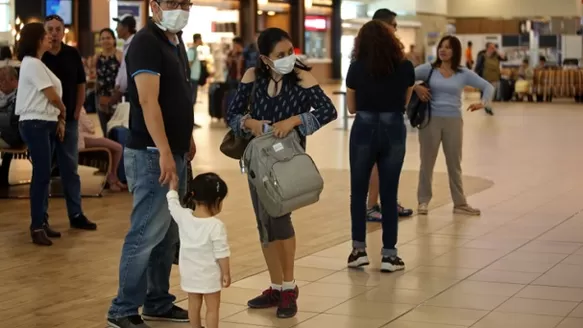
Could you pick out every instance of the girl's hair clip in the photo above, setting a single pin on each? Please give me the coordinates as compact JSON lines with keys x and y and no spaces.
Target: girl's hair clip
{"x":218,"y":186}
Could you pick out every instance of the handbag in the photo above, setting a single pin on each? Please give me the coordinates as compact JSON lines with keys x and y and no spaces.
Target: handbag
{"x":418,"y":111}
{"x":233,"y":145}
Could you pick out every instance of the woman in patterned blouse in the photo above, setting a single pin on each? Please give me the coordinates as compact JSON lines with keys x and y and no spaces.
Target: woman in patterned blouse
{"x":284,"y":94}
{"x":107,"y":65}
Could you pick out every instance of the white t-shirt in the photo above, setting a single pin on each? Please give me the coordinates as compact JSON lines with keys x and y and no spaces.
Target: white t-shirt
{"x":202,"y":242}
{"x":31,"y":102}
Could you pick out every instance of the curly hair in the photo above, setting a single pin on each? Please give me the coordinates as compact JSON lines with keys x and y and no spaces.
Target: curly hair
{"x":378,"y":48}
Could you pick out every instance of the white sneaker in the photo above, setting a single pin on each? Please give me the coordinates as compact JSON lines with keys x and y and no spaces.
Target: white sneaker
{"x":467,"y":210}
{"x":422,"y":209}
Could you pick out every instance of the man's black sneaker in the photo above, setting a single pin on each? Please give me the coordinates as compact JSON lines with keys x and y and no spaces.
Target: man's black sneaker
{"x":392,"y":264}
{"x":489,"y":111}
{"x":134,"y":321}
{"x":81,"y":222}
{"x":269,"y":298}
{"x":175,"y":314}
{"x":288,"y":306}
{"x":358,"y":258}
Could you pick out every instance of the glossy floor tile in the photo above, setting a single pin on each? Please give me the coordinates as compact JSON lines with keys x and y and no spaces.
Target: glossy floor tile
{"x":519,"y":265}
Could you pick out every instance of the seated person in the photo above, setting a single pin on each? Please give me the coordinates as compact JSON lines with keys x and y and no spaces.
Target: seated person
{"x":9,"y":133}
{"x":88,"y":140}
{"x":523,"y":86}
{"x":544,"y":84}
{"x":118,"y":131}
{"x":7,"y":59}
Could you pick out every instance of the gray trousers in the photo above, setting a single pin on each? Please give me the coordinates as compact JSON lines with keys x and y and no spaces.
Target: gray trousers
{"x":449,"y":132}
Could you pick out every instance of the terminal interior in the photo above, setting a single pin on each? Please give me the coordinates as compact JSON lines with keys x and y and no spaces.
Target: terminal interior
{"x":518,"y":265}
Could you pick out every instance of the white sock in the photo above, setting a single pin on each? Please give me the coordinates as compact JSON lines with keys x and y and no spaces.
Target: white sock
{"x":276,"y":287}
{"x":289,"y":285}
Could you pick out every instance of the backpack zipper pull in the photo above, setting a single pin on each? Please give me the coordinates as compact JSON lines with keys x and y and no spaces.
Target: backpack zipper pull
{"x":242,"y":166}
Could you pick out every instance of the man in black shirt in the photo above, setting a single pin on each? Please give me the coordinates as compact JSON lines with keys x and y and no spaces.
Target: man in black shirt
{"x":157,"y":150}
{"x":65,"y":62}
{"x":374,"y":209}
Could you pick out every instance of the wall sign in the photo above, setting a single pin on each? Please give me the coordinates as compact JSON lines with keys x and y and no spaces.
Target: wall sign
{"x":316,"y":23}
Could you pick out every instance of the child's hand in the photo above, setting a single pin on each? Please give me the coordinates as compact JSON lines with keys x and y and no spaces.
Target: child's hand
{"x":174,"y":183}
{"x":226,"y":280}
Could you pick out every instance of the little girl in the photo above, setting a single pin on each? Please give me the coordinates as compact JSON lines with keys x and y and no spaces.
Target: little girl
{"x":204,"y":252}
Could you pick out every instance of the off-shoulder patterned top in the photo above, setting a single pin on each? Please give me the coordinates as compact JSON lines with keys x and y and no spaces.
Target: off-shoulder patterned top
{"x":312,"y":105}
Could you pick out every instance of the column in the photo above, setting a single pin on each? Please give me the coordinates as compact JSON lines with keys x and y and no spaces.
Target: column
{"x":83,"y":28}
{"x":248,"y":14}
{"x":336,"y":49}
{"x":297,"y":20}
{"x":533,"y":45}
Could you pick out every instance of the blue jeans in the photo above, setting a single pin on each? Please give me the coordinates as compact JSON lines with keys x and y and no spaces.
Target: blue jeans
{"x":67,"y":155}
{"x":376,"y":138}
{"x":39,"y":137}
{"x":150,"y":244}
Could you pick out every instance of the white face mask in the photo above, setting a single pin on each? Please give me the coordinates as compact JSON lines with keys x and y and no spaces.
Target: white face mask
{"x":174,"y":21}
{"x":284,"y":65}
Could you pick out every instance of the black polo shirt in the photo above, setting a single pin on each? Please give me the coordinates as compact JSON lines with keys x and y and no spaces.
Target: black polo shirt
{"x":68,"y":67}
{"x":152,"y":53}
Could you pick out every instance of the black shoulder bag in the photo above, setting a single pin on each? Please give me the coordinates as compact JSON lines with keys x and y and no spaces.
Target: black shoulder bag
{"x":418,"y":111}
{"x":234,"y":146}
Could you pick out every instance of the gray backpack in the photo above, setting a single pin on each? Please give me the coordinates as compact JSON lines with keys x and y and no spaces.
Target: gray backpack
{"x":285,"y":177}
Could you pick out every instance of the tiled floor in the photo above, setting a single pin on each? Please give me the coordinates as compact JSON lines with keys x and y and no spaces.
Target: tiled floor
{"x":519,"y":265}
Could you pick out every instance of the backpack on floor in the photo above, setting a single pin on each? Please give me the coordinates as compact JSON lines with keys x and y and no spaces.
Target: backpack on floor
{"x":285,"y":177}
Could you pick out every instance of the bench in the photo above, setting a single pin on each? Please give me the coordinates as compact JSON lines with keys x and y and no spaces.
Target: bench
{"x":98,"y":158}
{"x":17,"y":153}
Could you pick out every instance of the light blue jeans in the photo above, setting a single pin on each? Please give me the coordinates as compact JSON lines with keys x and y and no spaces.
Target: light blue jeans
{"x":150,"y":244}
